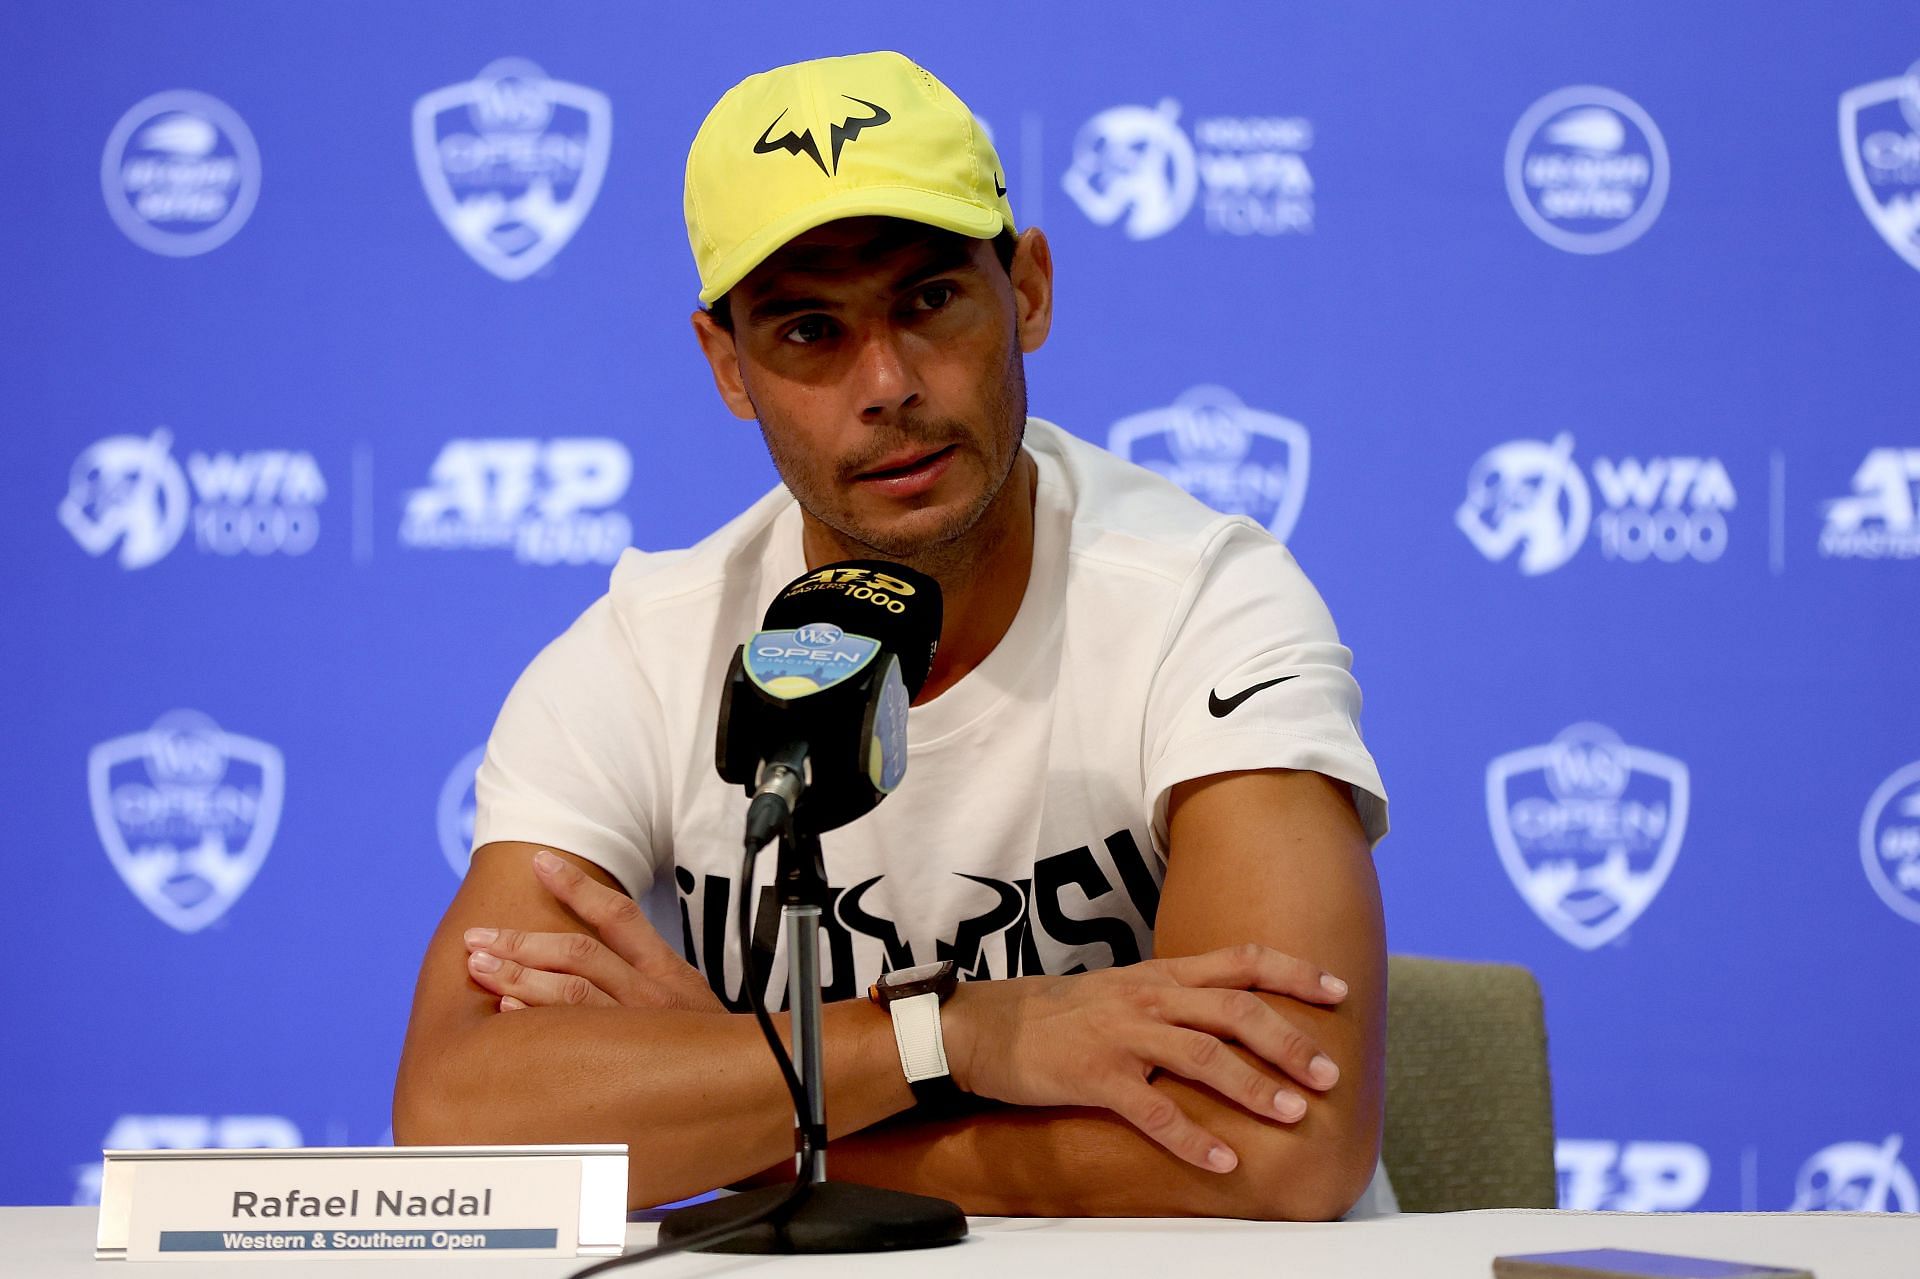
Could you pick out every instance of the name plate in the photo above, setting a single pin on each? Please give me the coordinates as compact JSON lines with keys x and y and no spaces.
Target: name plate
{"x":347,"y":1201}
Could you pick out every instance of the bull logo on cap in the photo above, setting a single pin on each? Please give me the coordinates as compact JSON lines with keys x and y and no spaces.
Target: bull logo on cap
{"x":802,"y":143}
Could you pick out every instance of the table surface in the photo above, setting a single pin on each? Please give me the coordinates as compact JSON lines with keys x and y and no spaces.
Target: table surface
{"x":59,"y":1242}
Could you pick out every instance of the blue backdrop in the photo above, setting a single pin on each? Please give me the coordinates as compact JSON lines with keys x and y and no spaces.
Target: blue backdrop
{"x":1572,"y":348}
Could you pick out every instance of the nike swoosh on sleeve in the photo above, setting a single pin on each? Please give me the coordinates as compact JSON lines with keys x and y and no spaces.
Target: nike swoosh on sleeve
{"x":1220,"y":707}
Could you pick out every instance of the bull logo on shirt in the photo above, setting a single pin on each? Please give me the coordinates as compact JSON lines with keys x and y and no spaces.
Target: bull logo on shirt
{"x":1588,"y":829}
{"x":1087,"y":907}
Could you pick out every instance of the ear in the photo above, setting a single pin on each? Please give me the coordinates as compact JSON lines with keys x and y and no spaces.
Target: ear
{"x":1032,"y":274}
{"x":717,"y":345}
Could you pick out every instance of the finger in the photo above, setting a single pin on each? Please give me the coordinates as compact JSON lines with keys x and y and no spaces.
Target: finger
{"x":1157,"y":1116}
{"x":532,"y":986}
{"x":1246,"y":1019}
{"x":1204,"y":1059}
{"x":1251,"y":966}
{"x":614,"y":915}
{"x":575,"y":953}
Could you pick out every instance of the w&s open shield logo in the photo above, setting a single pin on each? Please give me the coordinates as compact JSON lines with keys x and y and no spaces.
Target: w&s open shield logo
{"x":1235,"y":459}
{"x":1880,"y":143}
{"x":512,"y":162}
{"x":187,"y":813}
{"x":1588,"y":829}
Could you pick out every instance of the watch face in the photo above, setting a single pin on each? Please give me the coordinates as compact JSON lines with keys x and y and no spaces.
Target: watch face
{"x":908,"y":976}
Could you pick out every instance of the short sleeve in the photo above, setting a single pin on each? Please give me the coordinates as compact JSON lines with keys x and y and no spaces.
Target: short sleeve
{"x":1253,"y":675}
{"x":573,"y":759}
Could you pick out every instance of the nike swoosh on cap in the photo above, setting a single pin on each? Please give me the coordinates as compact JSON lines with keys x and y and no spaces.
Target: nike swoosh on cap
{"x":1220,"y":707}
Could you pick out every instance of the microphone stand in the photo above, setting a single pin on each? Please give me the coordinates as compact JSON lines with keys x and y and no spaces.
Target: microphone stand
{"x":830,"y":1216}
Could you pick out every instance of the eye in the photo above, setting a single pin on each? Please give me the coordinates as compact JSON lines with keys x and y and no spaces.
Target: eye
{"x":932,"y":297}
{"x":807,"y":330}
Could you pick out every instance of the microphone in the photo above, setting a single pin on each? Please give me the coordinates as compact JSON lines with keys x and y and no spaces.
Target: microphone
{"x":813,"y":715}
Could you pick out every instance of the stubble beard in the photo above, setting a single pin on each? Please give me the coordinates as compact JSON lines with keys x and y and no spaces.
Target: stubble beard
{"x":965,"y":539}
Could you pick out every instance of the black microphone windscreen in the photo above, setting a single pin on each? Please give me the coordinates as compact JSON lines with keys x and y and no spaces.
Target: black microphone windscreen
{"x":890,"y":603}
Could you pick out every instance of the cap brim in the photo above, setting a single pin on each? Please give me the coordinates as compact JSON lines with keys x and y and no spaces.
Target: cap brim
{"x":962,"y":217}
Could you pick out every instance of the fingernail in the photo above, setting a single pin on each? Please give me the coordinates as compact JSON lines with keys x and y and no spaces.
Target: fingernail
{"x":1333,"y":985}
{"x":545,"y":860}
{"x":1289,"y":1106}
{"x":508,"y":1003}
{"x":1220,"y":1159}
{"x":482,"y":936}
{"x":483,"y":962}
{"x":1324,"y":1072}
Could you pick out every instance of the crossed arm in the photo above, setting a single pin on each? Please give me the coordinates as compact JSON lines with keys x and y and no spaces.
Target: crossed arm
{"x":1124,"y":1084}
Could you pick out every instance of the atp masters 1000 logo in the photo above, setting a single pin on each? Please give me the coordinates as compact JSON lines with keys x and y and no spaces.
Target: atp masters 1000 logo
{"x":1236,"y":459}
{"x":512,"y":162}
{"x":1588,"y":829}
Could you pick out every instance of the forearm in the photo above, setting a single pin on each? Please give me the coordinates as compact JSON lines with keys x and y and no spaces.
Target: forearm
{"x":696,"y":1096}
{"x":1075,"y":1162}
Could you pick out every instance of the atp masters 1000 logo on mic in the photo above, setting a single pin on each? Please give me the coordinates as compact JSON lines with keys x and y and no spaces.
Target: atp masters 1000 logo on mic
{"x":1236,"y":459}
{"x":512,"y":162}
{"x":1588,"y":829}
{"x":187,"y":813}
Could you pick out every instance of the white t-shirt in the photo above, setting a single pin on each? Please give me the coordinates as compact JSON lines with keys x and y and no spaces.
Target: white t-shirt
{"x":1029,"y":834}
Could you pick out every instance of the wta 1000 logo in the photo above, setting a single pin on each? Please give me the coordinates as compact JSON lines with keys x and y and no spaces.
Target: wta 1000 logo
{"x":1880,"y":144}
{"x":1238,"y":460}
{"x":128,"y":493}
{"x":1530,"y":497}
{"x":180,"y":173}
{"x":1136,"y":167}
{"x":1587,"y":169}
{"x":1588,"y":829}
{"x":187,"y":813}
{"x":545,"y":500}
{"x":512,"y":162}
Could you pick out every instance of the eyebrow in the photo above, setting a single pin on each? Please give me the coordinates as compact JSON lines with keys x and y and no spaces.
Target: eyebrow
{"x":941,"y":256}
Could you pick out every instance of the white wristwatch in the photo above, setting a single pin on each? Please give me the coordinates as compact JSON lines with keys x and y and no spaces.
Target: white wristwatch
{"x":913,"y":996}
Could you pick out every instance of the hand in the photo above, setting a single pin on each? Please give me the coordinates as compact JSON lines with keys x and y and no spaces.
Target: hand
{"x":629,"y":965}
{"x":1095,"y":1039}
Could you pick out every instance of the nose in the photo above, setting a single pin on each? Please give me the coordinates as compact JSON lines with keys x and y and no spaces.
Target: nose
{"x":885,"y":377}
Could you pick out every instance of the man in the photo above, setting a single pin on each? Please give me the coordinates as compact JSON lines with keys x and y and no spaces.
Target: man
{"x":1137,"y":739}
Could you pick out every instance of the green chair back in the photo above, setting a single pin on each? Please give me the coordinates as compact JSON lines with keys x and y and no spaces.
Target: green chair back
{"x":1469,"y":1101}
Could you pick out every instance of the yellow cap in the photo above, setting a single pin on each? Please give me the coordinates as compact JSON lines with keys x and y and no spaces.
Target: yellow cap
{"x":868,"y":135}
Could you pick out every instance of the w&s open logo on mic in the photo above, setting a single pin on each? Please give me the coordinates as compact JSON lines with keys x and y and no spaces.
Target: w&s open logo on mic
{"x":187,"y":813}
{"x":1588,"y":829}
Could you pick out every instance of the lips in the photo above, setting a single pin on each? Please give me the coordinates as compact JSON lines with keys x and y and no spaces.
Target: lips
{"x":908,"y":474}
{"x":903,"y":463}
